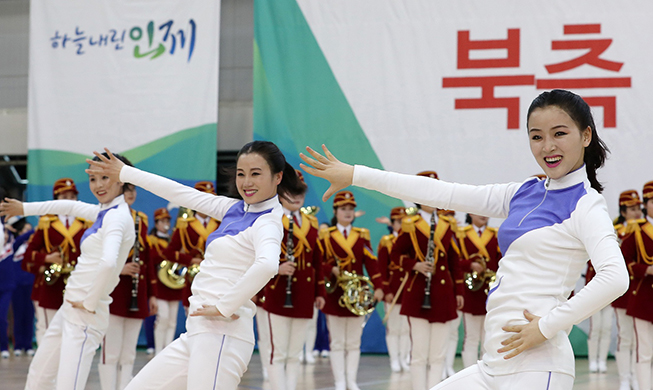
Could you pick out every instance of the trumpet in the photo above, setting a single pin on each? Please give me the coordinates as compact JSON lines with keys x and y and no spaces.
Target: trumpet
{"x":54,"y":271}
{"x":474,"y":280}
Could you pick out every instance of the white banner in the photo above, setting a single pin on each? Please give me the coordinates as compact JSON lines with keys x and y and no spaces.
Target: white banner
{"x":138,"y":77}
{"x":446,"y":85}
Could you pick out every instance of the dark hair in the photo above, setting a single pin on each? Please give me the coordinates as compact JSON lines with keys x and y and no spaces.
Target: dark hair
{"x":3,"y":194}
{"x":468,"y":219}
{"x":579,"y":111}
{"x":644,"y":211}
{"x":290,"y":182}
{"x":125,"y":160}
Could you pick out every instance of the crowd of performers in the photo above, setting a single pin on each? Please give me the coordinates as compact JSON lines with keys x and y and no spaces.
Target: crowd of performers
{"x":430,"y":272}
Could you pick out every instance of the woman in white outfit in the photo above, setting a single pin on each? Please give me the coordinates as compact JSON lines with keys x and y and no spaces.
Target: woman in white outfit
{"x":69,"y":344}
{"x":240,"y":257}
{"x":552,"y":228}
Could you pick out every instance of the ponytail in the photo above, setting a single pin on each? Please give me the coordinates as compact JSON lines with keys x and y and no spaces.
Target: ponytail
{"x":579,"y":111}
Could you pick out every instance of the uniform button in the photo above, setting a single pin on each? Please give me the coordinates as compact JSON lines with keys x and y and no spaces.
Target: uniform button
{"x":353,"y":260}
{"x":272,"y":286}
{"x":308,"y":264}
{"x":294,"y":279}
{"x":401,"y":279}
{"x":442,"y":268}
{"x":634,"y":292}
{"x":141,"y":262}
{"x":401,"y":269}
{"x":632,"y":277}
{"x":442,"y":281}
{"x":142,"y":277}
{"x":353,"y":272}
{"x":441,"y":254}
{"x":308,"y":279}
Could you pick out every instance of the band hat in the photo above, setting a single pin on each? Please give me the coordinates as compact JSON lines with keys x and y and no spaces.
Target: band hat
{"x":629,"y":198}
{"x":205,"y":186}
{"x":161,"y":214}
{"x":647,"y":192}
{"x":431,"y":174}
{"x":397,"y":213}
{"x":62,"y":185}
{"x":343,"y":198}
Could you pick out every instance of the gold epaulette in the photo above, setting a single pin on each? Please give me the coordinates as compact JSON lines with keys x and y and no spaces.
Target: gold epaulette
{"x":182,"y":223}
{"x":462,"y":232}
{"x":46,"y":220}
{"x":633,"y":226}
{"x":408,"y":223}
{"x":143,"y":217}
{"x":325,"y":232}
{"x":365,"y":233}
{"x":314,"y":221}
{"x":450,"y":220}
{"x":386,"y":241}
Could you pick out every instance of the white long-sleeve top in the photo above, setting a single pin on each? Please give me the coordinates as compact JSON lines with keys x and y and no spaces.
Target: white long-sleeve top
{"x":552,"y":228}
{"x":241,"y":256}
{"x":104,"y":250}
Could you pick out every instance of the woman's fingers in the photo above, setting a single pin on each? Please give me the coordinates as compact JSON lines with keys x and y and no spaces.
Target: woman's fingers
{"x":317,"y":155}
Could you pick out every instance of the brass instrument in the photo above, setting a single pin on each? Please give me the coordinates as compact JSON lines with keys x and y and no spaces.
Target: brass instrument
{"x":410,"y":211}
{"x":475,"y":281}
{"x":290,"y":256}
{"x":429,"y":259}
{"x":54,"y":271}
{"x":136,"y":258}
{"x":172,"y":275}
{"x":358,"y":292}
{"x":309,"y":210}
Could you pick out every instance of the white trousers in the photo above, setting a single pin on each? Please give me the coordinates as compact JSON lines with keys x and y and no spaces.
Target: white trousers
{"x":625,"y":354}
{"x":165,"y":324}
{"x":311,"y":332}
{"x":43,"y":319}
{"x":285,"y":350}
{"x":428,"y":350}
{"x":205,"y":361}
{"x":598,"y":339}
{"x":475,"y":378}
{"x":644,"y":339}
{"x":345,"y":343}
{"x":474,"y":335}
{"x":397,"y":335}
{"x":263,"y":328}
{"x":118,"y":352}
{"x":452,"y":345}
{"x":64,"y":357}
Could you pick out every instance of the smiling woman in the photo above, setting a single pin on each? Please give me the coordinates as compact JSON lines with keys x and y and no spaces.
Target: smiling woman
{"x":82,"y":320}
{"x":552,"y":228}
{"x":240,"y":257}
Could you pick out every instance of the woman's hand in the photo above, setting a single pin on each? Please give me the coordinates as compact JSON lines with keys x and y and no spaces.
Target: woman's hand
{"x":339,"y":174}
{"x":423,"y":267}
{"x":109,"y":167}
{"x":287,"y":268}
{"x":460,"y":302}
{"x":526,"y":337}
{"x":153,"y":306}
{"x":389,"y":297}
{"x":11,"y":207}
{"x":319,"y":303}
{"x":130,"y":269}
{"x":211,"y":311}
{"x":379,"y":295}
{"x":54,"y":258}
{"x":79,"y":305}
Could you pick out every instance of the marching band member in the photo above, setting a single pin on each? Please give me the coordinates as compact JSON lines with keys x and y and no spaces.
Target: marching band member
{"x":346,"y":248}
{"x":241,"y":257}
{"x":67,"y":348}
{"x":552,"y":228}
{"x":56,"y":241}
{"x":640,"y":305}
{"x":186,"y":248}
{"x":132,"y":302}
{"x":158,"y":240}
{"x":397,"y":333}
{"x":480,"y":252}
{"x":630,"y":210}
{"x":430,"y":325}
{"x":292,"y":294}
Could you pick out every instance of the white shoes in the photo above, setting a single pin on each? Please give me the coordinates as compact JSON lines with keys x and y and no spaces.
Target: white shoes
{"x":325,"y":354}
{"x":30,"y":352}
{"x":594,"y":366}
{"x":624,"y":385}
{"x":150,"y":351}
{"x":310,"y":357}
{"x":18,"y":352}
{"x":603,"y":367}
{"x":395,"y":366}
{"x":4,"y":354}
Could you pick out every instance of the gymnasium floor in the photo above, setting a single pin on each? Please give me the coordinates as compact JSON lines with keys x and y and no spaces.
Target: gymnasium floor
{"x":374,"y":374}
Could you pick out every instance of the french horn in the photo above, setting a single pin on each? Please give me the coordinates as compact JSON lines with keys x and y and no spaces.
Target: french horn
{"x":358,"y":292}
{"x":474,"y":280}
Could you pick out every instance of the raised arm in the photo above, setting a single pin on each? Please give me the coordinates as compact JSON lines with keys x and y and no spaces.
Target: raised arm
{"x":62,"y":207}
{"x":215,"y":206}
{"x":488,"y":200}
